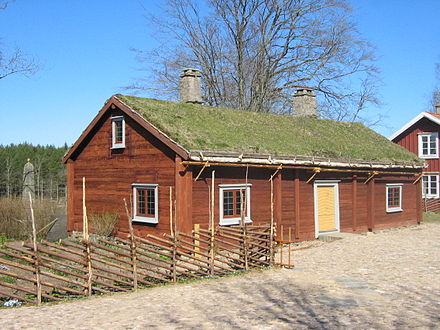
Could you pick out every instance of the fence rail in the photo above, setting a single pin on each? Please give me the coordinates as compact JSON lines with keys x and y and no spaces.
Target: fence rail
{"x":431,"y":204}
{"x":70,"y":268}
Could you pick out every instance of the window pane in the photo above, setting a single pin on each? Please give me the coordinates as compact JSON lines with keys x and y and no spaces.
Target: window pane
{"x":228,"y":203}
{"x":118,"y":131}
{"x":151,"y":202}
{"x":141,"y":201}
{"x":393,"y":197}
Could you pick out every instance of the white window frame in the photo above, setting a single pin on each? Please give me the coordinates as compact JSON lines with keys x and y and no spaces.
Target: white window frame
{"x":429,"y":176}
{"x":138,"y":218}
{"x":114,"y":144}
{"x":235,"y":220}
{"x":430,"y":135}
{"x":394,"y":209}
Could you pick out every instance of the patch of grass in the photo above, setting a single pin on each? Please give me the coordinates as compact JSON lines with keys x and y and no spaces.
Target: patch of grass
{"x":8,"y":279}
{"x":163,"y":257}
{"x":58,"y":272}
{"x":431,"y":217}
{"x":3,"y":240}
{"x":199,"y":127}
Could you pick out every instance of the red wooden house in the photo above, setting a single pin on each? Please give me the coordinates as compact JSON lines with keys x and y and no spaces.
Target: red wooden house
{"x":421,"y":136}
{"x":311,"y":175}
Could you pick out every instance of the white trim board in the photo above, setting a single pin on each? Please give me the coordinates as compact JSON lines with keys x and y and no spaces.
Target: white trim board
{"x":413,"y":121}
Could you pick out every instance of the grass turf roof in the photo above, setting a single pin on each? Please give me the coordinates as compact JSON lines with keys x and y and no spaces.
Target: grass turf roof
{"x":199,"y":127}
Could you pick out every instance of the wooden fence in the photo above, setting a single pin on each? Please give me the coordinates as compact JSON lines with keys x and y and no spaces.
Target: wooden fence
{"x":431,"y":204}
{"x":34,"y":271}
{"x":69,"y":268}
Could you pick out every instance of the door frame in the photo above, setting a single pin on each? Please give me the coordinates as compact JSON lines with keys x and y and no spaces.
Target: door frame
{"x":326,"y":183}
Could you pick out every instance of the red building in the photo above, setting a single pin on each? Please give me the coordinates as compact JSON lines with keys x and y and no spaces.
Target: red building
{"x":421,"y":136}
{"x":311,"y":176}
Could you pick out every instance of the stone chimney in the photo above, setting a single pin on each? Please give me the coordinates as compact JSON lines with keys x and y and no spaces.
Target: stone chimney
{"x":304,"y":102}
{"x":437,"y":108}
{"x":190,"y":86}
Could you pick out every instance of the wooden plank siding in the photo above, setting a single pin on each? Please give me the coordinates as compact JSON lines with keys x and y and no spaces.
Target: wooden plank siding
{"x":110,"y":174}
{"x":260,"y":200}
{"x":409,"y":140}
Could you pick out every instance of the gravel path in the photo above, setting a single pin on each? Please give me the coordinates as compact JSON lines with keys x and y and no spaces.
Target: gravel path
{"x":389,"y":279}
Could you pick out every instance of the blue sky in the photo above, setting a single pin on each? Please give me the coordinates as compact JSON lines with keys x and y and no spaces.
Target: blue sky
{"x":83,"y":48}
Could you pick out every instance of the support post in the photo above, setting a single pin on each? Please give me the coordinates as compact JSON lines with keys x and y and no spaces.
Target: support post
{"x":35,"y":248}
{"x":132,"y":247}
{"x":290,"y":247}
{"x":211,"y":223}
{"x":272,"y":231}
{"x":297,"y":204}
{"x":86,"y":242}
{"x":354,"y":203}
{"x":70,"y":195}
{"x":196,"y":239}
{"x":183,"y":196}
{"x":171,"y":212}
{"x":282,"y":245}
{"x":370,"y":204}
{"x":244,"y":229}
{"x":418,"y":194}
{"x":277,"y":187}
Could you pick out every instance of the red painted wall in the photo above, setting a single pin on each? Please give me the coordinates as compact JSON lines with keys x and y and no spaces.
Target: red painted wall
{"x":409,"y":140}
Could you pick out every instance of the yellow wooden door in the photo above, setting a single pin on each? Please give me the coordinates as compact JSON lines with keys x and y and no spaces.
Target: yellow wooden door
{"x":326,"y":208}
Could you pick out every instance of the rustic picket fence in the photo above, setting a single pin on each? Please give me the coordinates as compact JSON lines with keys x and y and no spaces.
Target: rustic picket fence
{"x":69,"y":268}
{"x":431,"y":205}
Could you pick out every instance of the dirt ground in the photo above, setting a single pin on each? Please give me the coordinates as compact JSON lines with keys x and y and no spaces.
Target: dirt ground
{"x":389,"y":279}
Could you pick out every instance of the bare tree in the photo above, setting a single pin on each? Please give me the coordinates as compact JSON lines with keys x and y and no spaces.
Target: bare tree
{"x":435,"y":96}
{"x":15,"y":61}
{"x":254,"y":53}
{"x":8,"y":170}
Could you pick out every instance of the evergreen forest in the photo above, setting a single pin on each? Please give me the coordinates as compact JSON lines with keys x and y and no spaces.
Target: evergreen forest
{"x":49,"y":171}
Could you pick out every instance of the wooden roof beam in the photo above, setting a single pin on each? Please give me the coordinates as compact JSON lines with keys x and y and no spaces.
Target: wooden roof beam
{"x":316,"y":170}
{"x":201,"y":171}
{"x":276,"y":172}
{"x":418,"y":177}
{"x":371,"y":175}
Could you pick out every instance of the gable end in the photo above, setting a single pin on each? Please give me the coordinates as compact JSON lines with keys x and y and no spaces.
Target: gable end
{"x":113,"y":103}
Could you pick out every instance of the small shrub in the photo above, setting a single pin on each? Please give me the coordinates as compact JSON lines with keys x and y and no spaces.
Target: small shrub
{"x":104,"y":224}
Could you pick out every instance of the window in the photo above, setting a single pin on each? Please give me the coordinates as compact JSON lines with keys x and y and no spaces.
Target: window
{"x":231,"y":204}
{"x":145,"y":203}
{"x":394,"y":197}
{"x":428,"y":145}
{"x":430,"y":186}
{"x":118,"y":132}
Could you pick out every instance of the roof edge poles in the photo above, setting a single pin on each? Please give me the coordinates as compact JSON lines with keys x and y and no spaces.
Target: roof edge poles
{"x":353,"y":170}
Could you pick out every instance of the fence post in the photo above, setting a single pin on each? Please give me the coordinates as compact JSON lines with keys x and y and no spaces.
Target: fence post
{"x":211,"y":224}
{"x":290,"y":246}
{"x":271,"y":239}
{"x":196,"y":239}
{"x":35,"y":248}
{"x":132,"y":247}
{"x":86,"y":242}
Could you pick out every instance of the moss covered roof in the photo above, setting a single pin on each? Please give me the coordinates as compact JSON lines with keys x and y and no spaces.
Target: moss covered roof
{"x":200,"y":127}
